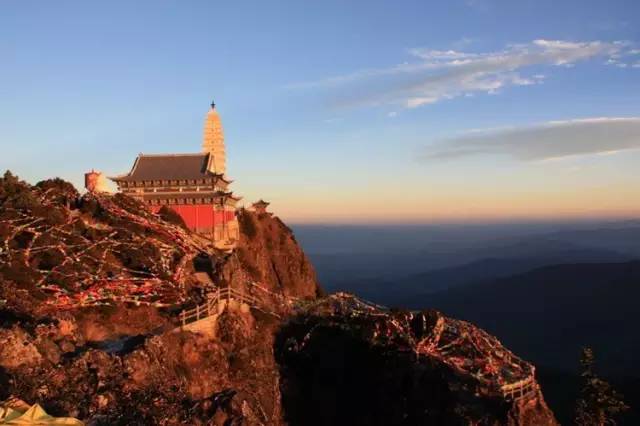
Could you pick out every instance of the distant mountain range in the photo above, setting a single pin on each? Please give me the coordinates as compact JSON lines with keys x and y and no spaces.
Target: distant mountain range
{"x":399,"y":277}
{"x":549,"y":313}
{"x":544,"y":295}
{"x":559,"y":289}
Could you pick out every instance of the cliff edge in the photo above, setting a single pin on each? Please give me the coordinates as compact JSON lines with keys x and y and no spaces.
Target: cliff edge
{"x":365,"y":364}
{"x":92,"y":289}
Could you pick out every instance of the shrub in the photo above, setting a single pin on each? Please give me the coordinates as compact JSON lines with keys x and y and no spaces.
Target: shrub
{"x":90,"y":206}
{"x":247,"y":225}
{"x":599,"y":402}
{"x":22,"y":240}
{"x":19,"y":273}
{"x":52,"y":215}
{"x":248,"y":263}
{"x":25,"y":200}
{"x":49,"y":259}
{"x":142,"y":258}
{"x":16,"y":193}
{"x":58,"y":184}
{"x":59,"y":191}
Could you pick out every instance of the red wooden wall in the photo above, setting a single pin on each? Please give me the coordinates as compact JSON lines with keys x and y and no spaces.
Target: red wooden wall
{"x":200,"y":216}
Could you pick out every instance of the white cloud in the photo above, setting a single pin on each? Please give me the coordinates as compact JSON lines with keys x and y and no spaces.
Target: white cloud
{"x":551,"y":140}
{"x":425,"y":100}
{"x":436,"y":75}
{"x":429,"y":54}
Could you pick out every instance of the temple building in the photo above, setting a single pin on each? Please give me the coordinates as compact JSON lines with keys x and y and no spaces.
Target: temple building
{"x":193,"y":185}
{"x":260,"y":207}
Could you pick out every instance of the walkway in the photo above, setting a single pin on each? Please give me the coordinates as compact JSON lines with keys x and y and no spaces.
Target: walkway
{"x":225,"y":296}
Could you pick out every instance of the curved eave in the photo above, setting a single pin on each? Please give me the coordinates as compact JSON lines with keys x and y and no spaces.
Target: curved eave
{"x":228,"y":195}
{"x":127,"y":176}
{"x":120,"y":178}
{"x":222,"y":178}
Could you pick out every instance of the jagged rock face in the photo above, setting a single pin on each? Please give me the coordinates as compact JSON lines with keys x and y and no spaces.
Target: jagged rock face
{"x":97,"y":358}
{"x":60,"y":251}
{"x":345,"y":362}
{"x":269,"y":255}
{"x":85,"y":329}
{"x":174,"y":378}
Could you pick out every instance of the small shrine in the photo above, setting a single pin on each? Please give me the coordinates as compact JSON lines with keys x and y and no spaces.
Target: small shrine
{"x":260,"y":207}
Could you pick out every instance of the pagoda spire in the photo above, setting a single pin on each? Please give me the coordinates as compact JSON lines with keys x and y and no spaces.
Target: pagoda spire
{"x":213,"y":141}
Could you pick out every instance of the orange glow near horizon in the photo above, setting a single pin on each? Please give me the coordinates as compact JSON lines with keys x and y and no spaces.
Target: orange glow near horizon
{"x":459,"y":204}
{"x":503,"y":190}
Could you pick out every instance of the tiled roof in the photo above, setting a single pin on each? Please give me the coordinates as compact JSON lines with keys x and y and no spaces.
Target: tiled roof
{"x":168,"y":167}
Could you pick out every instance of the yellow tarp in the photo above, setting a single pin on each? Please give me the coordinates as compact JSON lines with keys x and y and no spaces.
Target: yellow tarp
{"x":8,"y":414}
{"x":35,"y":415}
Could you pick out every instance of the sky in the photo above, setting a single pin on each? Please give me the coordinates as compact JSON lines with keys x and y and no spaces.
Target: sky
{"x":340,"y":111}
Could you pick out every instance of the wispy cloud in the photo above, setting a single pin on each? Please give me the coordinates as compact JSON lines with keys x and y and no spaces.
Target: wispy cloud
{"x":551,"y":140}
{"x":435,"y":75}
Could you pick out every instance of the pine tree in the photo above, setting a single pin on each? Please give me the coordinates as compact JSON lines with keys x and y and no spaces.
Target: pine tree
{"x":599,"y":404}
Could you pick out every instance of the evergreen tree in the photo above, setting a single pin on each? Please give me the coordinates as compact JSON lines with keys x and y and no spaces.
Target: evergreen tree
{"x":599,"y":404}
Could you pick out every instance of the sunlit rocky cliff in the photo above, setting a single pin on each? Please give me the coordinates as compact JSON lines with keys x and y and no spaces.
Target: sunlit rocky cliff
{"x":114,"y":315}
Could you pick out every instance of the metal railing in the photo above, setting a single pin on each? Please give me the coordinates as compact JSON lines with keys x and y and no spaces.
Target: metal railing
{"x":521,"y":389}
{"x":210,"y":307}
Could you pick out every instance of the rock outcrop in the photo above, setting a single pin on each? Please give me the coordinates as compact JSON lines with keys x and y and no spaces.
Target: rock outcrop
{"x":90,"y":288}
{"x":269,"y":255}
{"x":364,"y":364}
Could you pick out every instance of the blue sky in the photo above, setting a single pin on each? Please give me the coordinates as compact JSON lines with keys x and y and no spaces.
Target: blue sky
{"x":336,"y":111}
